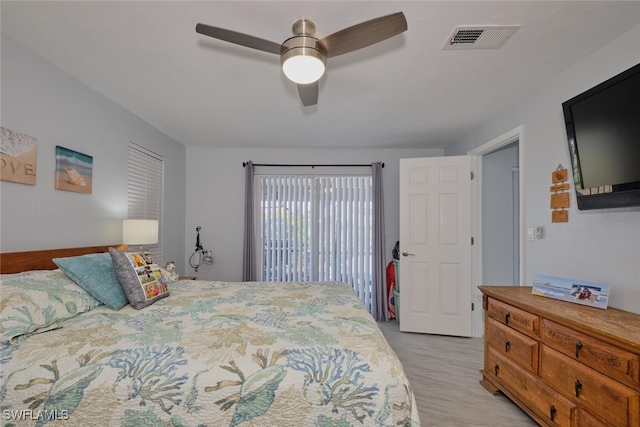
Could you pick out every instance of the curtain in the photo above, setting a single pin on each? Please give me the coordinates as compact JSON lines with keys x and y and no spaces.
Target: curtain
{"x":248,"y":252}
{"x":379,"y":306}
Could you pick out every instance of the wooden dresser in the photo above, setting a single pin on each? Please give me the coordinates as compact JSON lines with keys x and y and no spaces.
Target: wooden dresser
{"x":564,"y":364}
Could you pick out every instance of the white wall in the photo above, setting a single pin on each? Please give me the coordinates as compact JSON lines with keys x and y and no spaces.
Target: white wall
{"x":599,"y":246}
{"x":215,"y":195}
{"x":41,"y":100}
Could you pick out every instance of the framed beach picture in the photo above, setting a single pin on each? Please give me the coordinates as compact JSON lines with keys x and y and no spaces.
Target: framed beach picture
{"x":575,"y":291}
{"x":18,"y":156}
{"x":74,"y":171}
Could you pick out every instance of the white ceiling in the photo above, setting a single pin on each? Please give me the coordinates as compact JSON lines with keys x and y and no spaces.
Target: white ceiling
{"x":403,"y":92}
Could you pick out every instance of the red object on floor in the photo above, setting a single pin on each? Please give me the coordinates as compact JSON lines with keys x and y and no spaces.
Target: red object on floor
{"x":391,"y":285}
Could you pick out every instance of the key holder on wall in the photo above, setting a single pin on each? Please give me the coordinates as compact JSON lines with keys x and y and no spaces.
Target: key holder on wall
{"x":559,"y":195}
{"x":200,"y":255}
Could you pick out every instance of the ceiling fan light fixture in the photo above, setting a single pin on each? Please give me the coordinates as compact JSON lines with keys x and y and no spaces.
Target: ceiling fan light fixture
{"x":303,"y":56}
{"x":303,"y":59}
{"x":303,"y":66}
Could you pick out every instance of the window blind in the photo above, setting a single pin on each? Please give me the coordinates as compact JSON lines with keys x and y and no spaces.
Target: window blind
{"x":145,"y":190}
{"x":319,"y":229}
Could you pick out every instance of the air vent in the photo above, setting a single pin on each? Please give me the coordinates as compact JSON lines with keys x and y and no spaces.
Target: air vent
{"x":480,"y":37}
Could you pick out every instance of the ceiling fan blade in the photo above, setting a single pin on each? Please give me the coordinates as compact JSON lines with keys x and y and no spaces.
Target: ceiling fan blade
{"x":308,"y":94}
{"x":239,"y":38}
{"x":364,"y":34}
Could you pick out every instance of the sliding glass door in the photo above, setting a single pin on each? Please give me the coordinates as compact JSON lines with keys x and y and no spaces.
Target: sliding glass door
{"x":317,"y":228}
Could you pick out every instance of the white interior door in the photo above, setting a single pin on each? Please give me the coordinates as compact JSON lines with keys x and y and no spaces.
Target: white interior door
{"x":435,"y":245}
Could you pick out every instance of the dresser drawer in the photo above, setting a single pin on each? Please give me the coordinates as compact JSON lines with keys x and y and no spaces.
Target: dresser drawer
{"x":511,"y":316}
{"x":551,"y":406}
{"x":513,"y":344}
{"x":588,"y":420}
{"x":596,"y":392}
{"x":608,"y":359}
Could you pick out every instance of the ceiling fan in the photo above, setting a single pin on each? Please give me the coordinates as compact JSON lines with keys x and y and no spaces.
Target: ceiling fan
{"x":303,"y":56}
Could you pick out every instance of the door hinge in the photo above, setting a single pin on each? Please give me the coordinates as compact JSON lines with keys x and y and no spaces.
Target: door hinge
{"x":472,"y":241}
{"x":472,"y":175}
{"x":472,"y":307}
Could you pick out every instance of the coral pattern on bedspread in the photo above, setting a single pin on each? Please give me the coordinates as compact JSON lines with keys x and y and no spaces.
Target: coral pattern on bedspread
{"x":37,"y":301}
{"x":213,"y":354}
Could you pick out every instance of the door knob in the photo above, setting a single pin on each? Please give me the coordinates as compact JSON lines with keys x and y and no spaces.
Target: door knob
{"x":405,"y":253}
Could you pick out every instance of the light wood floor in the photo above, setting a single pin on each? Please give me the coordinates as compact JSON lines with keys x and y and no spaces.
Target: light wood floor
{"x":444,"y":373}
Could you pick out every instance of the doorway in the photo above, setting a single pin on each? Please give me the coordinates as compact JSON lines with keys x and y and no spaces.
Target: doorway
{"x":500,"y":213}
{"x":506,"y":235}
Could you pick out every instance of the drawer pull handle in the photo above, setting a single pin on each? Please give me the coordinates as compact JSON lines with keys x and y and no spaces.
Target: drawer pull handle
{"x":507,"y":346}
{"x":496,"y":369}
{"x":578,"y":387}
{"x":552,"y":412}
{"x":578,"y":347}
{"x":506,"y":318}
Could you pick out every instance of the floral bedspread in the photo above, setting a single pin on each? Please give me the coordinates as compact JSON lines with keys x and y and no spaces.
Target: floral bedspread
{"x":212,"y":354}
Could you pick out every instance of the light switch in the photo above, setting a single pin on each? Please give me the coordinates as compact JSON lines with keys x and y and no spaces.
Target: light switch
{"x":530,"y":234}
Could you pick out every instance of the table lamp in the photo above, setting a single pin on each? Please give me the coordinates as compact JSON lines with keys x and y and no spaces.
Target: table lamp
{"x":140,"y":232}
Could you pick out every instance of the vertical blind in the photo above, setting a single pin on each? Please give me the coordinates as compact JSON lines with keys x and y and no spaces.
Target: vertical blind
{"x":145,"y":190}
{"x":318,"y":229}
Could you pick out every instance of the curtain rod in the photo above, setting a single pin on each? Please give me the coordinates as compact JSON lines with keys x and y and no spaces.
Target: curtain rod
{"x":244,"y":164}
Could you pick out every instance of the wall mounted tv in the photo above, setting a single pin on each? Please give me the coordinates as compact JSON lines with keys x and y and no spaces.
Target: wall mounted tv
{"x":603,"y":132}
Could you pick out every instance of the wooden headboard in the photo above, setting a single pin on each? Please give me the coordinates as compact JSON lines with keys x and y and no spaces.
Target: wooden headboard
{"x":16,"y":262}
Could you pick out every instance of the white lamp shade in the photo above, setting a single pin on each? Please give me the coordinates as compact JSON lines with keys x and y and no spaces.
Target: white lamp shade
{"x":140,"y":231}
{"x":303,"y":69}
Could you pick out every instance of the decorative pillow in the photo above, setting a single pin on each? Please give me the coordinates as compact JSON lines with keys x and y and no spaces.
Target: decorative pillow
{"x":94,"y":273}
{"x":38,"y":301}
{"x":141,"y":279}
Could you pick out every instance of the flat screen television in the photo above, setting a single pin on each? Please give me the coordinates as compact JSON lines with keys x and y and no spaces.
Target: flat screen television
{"x":603,"y":132}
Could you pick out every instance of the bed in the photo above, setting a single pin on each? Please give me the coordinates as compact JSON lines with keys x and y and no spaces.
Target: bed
{"x":209,"y":354}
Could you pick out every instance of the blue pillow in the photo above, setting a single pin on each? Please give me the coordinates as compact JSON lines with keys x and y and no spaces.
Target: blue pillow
{"x":95,"y":274}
